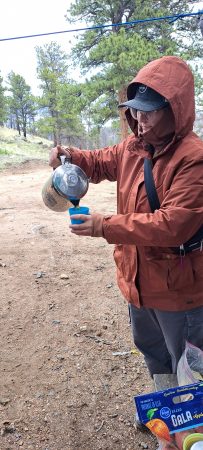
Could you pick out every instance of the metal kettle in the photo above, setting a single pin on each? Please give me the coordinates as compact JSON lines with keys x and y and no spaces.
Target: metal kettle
{"x":67,"y":185}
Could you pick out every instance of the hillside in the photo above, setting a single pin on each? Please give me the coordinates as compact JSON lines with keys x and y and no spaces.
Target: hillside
{"x":16,"y":149}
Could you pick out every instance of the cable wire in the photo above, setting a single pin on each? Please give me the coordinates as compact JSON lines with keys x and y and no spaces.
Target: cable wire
{"x":96,"y":27}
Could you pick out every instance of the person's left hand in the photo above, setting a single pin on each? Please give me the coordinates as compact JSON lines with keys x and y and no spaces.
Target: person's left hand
{"x":92,"y":225}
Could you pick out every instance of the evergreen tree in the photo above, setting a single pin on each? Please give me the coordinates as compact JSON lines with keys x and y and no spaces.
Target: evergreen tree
{"x":60,"y":119}
{"x":51,"y":69}
{"x":21,"y":102}
{"x":71,"y":106}
{"x":117,"y":53}
{"x":3,"y":103}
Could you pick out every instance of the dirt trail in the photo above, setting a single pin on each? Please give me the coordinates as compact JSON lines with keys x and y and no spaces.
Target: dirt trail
{"x":62,"y":317}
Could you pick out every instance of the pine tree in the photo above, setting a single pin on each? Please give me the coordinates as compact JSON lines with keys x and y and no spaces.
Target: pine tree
{"x":21,"y":102}
{"x":59,"y":100}
{"x":3,"y":103}
{"x":117,"y":53}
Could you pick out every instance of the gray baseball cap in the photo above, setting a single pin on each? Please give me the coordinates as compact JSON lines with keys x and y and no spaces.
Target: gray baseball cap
{"x":146,"y":99}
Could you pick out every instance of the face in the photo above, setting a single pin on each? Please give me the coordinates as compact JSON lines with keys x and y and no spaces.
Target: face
{"x":146,"y":119}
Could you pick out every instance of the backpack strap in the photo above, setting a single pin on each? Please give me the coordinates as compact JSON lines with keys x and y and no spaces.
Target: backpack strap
{"x":152,"y":195}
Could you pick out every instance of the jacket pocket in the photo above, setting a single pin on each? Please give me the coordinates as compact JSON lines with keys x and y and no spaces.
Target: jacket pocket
{"x":170,"y":274}
{"x":157,"y":276}
{"x":180,"y":274}
{"x":197,"y":264}
{"x":125,"y":259}
{"x":118,"y":257}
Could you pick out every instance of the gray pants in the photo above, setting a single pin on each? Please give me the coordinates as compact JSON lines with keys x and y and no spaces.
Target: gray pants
{"x":161,"y":335}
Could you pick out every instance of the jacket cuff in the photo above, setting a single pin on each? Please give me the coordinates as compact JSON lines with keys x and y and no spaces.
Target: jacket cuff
{"x":98,"y":226}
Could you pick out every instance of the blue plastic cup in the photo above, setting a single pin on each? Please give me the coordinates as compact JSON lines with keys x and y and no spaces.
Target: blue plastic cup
{"x":78,"y":210}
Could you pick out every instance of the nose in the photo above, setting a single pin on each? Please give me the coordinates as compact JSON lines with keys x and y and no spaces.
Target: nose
{"x":142,"y":116}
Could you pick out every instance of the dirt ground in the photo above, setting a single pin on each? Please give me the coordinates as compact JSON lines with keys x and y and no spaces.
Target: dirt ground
{"x":62,"y":319}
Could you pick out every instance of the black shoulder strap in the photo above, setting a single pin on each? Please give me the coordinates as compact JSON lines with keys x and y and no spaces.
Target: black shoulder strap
{"x":150,"y":186}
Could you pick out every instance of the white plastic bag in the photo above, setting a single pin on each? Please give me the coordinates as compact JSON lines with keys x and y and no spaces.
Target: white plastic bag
{"x":190,"y":365}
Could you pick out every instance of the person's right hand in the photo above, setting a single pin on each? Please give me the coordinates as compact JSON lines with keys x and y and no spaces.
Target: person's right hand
{"x":55,"y":153}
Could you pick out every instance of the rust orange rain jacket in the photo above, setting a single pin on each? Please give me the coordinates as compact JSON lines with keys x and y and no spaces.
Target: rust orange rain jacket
{"x":148,"y":272}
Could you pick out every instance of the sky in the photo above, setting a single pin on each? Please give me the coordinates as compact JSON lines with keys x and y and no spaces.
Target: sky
{"x":25,"y":17}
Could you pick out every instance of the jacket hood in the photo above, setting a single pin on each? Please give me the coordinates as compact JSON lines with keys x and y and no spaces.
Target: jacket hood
{"x":171,"y":77}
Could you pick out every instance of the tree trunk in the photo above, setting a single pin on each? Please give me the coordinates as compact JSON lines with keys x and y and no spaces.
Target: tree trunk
{"x":55,"y":139}
{"x":11,"y":121}
{"x":24,"y":128}
{"x":55,"y":129}
{"x":122,"y":96}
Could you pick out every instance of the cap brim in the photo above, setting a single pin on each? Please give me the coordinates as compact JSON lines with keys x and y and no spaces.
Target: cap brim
{"x":143,"y":106}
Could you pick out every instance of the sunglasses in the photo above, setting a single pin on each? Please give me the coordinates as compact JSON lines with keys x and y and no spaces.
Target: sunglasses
{"x":134,"y":112}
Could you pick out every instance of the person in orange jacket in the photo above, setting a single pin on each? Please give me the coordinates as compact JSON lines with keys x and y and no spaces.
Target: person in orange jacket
{"x":163,"y":286}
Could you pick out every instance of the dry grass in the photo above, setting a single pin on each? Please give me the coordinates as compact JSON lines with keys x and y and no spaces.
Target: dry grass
{"x":15,"y":149}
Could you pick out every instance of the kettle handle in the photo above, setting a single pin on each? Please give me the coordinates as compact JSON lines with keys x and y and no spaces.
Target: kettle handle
{"x":63,"y":159}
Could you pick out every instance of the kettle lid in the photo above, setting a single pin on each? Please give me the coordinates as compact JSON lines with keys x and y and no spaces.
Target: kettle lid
{"x":70,"y":181}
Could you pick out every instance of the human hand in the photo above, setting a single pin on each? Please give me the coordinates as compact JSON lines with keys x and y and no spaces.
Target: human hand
{"x":55,"y":153}
{"x":92,"y":225}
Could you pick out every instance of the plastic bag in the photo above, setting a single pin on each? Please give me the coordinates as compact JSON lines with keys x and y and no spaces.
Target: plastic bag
{"x":180,"y":439}
{"x":173,"y":415}
{"x":190,"y":365}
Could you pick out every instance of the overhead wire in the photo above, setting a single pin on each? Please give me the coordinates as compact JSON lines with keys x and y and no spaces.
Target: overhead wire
{"x":171,"y":19}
